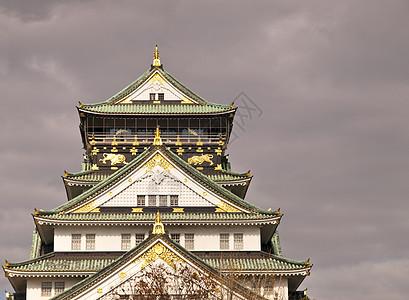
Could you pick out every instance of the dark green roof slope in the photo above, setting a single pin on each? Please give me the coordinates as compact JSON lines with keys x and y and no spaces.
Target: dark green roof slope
{"x":95,"y":176}
{"x":87,"y":283}
{"x":109,"y":106}
{"x":164,"y":216}
{"x":223,"y":261}
{"x":121,"y":173}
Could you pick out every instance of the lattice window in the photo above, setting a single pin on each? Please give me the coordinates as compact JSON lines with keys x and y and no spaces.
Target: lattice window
{"x":59,"y":287}
{"x":46,"y":288}
{"x":190,"y":241}
{"x":140,"y":200}
{"x":238,"y":241}
{"x":75,"y":241}
{"x":90,"y":242}
{"x":152,"y":200}
{"x":174,"y":200}
{"x":125,"y":241}
{"x":163,"y":200}
{"x":175,"y":237}
{"x":224,"y":241}
{"x":139,"y":237}
{"x":161,"y":96}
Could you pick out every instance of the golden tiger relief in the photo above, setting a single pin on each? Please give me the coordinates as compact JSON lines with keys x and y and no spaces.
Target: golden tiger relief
{"x":114,"y":158}
{"x":198,"y":160}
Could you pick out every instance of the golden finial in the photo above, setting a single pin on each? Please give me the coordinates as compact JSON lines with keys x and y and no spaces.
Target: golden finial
{"x":65,"y":173}
{"x":307,"y":262}
{"x":158,"y":140}
{"x":278,"y":211}
{"x":7,"y":263}
{"x":156,"y":59}
{"x":158,"y":228}
{"x":80,"y":104}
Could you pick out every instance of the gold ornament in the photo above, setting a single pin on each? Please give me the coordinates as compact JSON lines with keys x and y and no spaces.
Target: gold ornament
{"x":198,"y":160}
{"x":157,"y":160}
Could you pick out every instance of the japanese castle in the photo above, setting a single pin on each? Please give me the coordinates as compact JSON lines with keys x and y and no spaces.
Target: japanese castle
{"x":156,"y":192}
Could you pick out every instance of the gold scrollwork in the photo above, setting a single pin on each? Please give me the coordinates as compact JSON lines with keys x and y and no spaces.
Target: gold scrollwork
{"x":198,"y":160}
{"x":158,"y":251}
{"x":225,"y":207}
{"x":86,"y":208}
{"x":157,"y":160}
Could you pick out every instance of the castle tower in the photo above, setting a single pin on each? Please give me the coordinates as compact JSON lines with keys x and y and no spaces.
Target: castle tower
{"x":155,"y":189}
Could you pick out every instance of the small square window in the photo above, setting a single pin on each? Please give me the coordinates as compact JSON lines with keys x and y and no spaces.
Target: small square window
{"x":238,"y":241}
{"x":152,"y":97}
{"x":190,"y":241}
{"x":161,"y":97}
{"x":152,"y":200}
{"x":46,"y":288}
{"x":174,"y":200}
{"x":175,"y":237}
{"x":90,"y":242}
{"x":125,"y":241}
{"x":75,"y":241}
{"x":59,"y":287}
{"x":139,"y":237}
{"x":140,"y":200}
{"x":163,"y":200}
{"x":224,"y":241}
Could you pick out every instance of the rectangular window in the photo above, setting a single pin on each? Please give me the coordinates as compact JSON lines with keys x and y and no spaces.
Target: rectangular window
{"x":163,"y":200}
{"x":125,"y":241}
{"x":174,"y":200}
{"x":152,"y":200}
{"x":75,"y":241}
{"x":161,"y":96}
{"x":140,"y":200}
{"x":90,"y":242}
{"x":190,"y":241}
{"x":139,"y":237}
{"x":59,"y":287}
{"x":238,"y":241}
{"x":224,"y":241}
{"x":46,"y":288}
{"x":175,"y":237}
{"x":152,"y":97}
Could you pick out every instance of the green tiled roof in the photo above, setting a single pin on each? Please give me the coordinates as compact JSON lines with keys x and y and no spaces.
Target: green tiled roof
{"x":151,"y":216}
{"x":35,"y":245}
{"x":95,"y":176}
{"x":93,"y":262}
{"x":113,"y":267}
{"x":121,"y":173}
{"x":109,"y":106}
{"x":87,"y":176}
{"x":227,"y":176}
{"x":65,"y":262}
{"x":157,"y":109}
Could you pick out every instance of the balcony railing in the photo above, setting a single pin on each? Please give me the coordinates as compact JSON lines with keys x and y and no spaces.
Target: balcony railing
{"x":147,"y":139}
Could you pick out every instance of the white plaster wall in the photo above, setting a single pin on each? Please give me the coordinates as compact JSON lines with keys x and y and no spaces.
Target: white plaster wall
{"x":108,"y":238}
{"x":34,"y":286}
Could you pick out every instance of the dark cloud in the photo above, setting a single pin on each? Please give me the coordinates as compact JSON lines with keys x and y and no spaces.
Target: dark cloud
{"x":330,"y":147}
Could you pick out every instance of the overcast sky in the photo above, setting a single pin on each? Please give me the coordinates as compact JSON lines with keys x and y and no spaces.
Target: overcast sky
{"x":328,"y":141}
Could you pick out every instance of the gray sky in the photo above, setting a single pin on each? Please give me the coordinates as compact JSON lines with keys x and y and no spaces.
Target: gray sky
{"x":330,"y":148}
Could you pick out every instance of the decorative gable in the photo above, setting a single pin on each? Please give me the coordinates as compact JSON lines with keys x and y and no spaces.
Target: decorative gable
{"x":158,"y":182}
{"x":157,"y":175}
{"x":170,"y":261}
{"x":156,"y":86}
